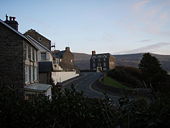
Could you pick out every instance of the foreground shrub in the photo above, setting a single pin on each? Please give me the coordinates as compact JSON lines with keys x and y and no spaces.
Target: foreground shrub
{"x":70,"y":109}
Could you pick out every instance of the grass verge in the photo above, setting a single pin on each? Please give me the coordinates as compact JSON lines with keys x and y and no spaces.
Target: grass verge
{"x":111,"y":82}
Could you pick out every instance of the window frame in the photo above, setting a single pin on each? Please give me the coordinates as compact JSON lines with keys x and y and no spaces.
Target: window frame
{"x":45,"y":55}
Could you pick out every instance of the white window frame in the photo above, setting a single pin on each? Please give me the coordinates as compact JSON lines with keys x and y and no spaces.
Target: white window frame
{"x":35,"y":73}
{"x":45,"y":55}
{"x":31,"y":74}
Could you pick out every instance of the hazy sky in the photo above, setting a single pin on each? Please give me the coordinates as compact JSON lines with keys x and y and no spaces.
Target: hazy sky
{"x":115,"y":26}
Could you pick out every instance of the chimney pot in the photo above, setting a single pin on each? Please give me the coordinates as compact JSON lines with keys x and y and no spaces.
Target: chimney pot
{"x":93,"y":52}
{"x":11,"y":22}
{"x":10,"y":18}
{"x":67,"y":48}
{"x":6,"y":17}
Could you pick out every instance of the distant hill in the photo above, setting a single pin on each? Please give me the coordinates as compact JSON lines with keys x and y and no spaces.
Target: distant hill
{"x":82,"y":60}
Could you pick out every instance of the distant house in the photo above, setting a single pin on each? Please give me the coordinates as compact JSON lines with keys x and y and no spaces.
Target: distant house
{"x":102,"y":62}
{"x":18,"y":61}
{"x":66,"y":59}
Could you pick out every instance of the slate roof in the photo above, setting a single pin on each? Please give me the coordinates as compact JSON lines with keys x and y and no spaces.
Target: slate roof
{"x":37,"y":87}
{"x":59,"y":54}
{"x":45,"y":67}
{"x":37,"y":43}
{"x":18,"y":33}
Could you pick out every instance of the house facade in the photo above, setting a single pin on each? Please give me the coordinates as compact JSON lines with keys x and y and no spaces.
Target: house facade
{"x":52,"y":68}
{"x":66,"y":59}
{"x":47,"y":63}
{"x":102,"y":62}
{"x":18,"y":59}
{"x":39,"y":37}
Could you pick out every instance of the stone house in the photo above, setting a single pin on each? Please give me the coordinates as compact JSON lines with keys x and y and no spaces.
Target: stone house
{"x":66,"y":59}
{"x":102,"y":62}
{"x":39,"y":37}
{"x":58,"y":69}
{"x":18,"y":61}
{"x":47,"y":63}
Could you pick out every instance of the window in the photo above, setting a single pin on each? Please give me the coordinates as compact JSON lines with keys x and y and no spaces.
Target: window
{"x":94,"y":65}
{"x":31,"y":74}
{"x":26,"y":73}
{"x":104,"y":64}
{"x":43,"y":56}
{"x":40,"y":38}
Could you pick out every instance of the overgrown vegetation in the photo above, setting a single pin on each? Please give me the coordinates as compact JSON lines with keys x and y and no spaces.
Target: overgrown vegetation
{"x":149,"y":74}
{"x":70,"y":109}
{"x":152,"y":72}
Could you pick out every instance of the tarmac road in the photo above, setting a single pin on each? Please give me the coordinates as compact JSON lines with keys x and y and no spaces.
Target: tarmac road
{"x":84,"y":83}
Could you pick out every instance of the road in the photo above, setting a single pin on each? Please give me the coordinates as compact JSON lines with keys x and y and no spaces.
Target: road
{"x":84,"y":83}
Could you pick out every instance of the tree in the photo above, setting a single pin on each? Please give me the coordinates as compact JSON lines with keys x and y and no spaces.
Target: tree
{"x":151,"y":69}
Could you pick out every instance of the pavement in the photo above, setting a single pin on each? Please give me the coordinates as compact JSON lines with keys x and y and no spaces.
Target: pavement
{"x":84,"y":83}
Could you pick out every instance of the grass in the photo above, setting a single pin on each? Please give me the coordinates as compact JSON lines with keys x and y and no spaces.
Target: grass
{"x":111,"y":82}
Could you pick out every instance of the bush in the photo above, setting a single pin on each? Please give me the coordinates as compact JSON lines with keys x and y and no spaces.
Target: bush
{"x":67,"y":109}
{"x":71,"y":109}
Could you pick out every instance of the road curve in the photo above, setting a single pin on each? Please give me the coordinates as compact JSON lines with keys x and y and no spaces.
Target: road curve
{"x":84,"y":82}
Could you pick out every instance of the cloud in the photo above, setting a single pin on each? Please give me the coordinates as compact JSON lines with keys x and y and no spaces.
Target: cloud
{"x":156,"y":48}
{"x":148,"y":40}
{"x":140,"y":4}
{"x":153,"y":16}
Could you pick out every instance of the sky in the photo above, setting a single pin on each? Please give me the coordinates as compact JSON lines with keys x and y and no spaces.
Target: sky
{"x":114,"y":26}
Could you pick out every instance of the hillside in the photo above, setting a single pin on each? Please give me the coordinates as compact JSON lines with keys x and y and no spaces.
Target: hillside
{"x":82,"y":60}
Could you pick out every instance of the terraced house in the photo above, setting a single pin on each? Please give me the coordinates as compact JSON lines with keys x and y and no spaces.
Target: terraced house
{"x":18,"y":61}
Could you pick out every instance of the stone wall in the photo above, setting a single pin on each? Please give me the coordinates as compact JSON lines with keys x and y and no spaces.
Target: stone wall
{"x":11,"y":58}
{"x":63,"y":76}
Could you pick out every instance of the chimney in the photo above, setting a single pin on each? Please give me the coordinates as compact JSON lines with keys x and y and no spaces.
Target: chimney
{"x":67,"y":49}
{"x":11,"y":22}
{"x":93,"y":52}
